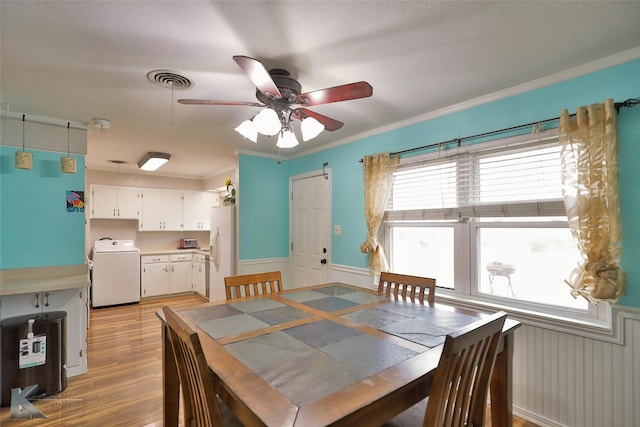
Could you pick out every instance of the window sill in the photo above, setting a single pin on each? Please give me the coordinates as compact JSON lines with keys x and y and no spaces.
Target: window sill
{"x":609,"y":331}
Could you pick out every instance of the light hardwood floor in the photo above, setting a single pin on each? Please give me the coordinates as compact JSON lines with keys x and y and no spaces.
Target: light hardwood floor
{"x":123,"y":385}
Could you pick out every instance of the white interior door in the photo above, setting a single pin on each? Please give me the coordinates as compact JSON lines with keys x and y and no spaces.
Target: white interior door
{"x":310,"y":230}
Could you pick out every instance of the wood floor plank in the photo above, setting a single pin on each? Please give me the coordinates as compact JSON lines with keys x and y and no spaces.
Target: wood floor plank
{"x":124,"y":384}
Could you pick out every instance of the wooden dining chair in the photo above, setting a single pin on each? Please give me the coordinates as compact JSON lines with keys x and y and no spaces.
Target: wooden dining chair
{"x":458,"y":395}
{"x":252,"y":284}
{"x":405,"y":286}
{"x":202,"y":407}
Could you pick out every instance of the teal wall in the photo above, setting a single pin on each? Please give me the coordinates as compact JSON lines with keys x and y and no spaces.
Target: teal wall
{"x":620,"y":83}
{"x":36,"y":230}
{"x":263,"y":208}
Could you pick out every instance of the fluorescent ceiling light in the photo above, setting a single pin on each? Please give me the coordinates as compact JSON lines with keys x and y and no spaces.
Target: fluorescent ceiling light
{"x":153,"y":160}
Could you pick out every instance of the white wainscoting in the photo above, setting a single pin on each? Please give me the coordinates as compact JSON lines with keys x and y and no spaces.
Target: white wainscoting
{"x":570,"y":380}
{"x":264,"y":265}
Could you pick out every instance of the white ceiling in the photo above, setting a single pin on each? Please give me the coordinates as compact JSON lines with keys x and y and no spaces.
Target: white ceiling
{"x":77,"y":60}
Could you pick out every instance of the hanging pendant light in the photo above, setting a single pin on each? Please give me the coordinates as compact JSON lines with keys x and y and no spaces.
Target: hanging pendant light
{"x":24,"y":160}
{"x":68,"y":164}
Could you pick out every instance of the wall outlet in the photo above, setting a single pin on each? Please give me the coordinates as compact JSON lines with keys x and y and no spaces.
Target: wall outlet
{"x":337,"y":230}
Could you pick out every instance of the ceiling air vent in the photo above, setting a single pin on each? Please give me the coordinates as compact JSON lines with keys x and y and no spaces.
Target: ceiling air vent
{"x":169,"y":79}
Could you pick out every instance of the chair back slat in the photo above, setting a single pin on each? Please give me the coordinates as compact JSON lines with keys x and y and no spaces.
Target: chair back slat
{"x":252,"y":284}
{"x":461,"y":383}
{"x":201,"y":406}
{"x":407,"y":287}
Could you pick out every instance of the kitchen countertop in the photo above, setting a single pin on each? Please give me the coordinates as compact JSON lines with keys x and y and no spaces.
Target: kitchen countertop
{"x":46,"y":279}
{"x":201,"y":251}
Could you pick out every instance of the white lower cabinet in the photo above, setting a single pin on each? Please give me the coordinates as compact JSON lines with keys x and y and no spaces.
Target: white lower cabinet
{"x":180,"y":273}
{"x":155,"y":275}
{"x":199,"y":274}
{"x":73,"y":302}
{"x":165,"y":274}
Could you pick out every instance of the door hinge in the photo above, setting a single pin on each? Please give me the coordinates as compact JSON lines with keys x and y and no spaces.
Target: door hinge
{"x":291,"y":246}
{"x":80,"y":353}
{"x":292,"y":195}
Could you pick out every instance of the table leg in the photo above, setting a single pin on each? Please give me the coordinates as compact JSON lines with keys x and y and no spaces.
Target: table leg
{"x":170,"y":381}
{"x":502,"y":385}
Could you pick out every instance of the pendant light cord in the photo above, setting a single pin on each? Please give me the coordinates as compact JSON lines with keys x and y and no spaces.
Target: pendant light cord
{"x":23,"y":118}
{"x":68,"y":131}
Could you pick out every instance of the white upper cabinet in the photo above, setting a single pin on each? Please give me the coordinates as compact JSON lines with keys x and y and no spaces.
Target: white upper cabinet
{"x":156,"y":209}
{"x":115,"y":202}
{"x":197,"y":210}
{"x":162,"y":210}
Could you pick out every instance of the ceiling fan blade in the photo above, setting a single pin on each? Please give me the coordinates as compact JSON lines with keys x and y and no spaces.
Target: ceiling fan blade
{"x":258,"y":75}
{"x":335,"y":94}
{"x":329,"y":123}
{"x":214,"y":102}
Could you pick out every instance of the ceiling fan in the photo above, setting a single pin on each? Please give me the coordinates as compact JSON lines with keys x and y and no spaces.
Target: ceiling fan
{"x":279,"y":95}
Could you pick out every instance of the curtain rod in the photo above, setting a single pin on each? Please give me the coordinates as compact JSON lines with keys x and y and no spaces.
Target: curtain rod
{"x":618,"y":105}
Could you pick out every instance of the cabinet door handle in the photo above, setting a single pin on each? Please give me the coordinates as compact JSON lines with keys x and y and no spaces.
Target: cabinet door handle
{"x":46,"y":299}
{"x":37,"y":301}
{"x":114,"y":211}
{"x":118,"y":211}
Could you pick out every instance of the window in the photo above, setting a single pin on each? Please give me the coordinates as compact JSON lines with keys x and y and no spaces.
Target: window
{"x":488,"y":222}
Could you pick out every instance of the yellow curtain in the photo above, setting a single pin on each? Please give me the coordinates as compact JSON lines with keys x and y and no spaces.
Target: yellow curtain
{"x":590,"y":188}
{"x":378,"y":180}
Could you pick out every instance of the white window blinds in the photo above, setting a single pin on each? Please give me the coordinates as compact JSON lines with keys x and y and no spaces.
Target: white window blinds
{"x":516,"y":178}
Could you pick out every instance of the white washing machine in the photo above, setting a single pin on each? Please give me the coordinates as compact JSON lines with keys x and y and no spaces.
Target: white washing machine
{"x":115,"y":273}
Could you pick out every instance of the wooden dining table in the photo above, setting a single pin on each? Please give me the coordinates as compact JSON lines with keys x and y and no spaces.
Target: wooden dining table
{"x":332,"y":354}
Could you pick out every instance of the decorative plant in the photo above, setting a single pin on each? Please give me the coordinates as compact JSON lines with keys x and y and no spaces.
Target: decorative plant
{"x":231,"y":190}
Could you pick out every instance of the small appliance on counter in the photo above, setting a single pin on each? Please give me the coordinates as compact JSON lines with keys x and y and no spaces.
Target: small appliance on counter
{"x":188,"y":244}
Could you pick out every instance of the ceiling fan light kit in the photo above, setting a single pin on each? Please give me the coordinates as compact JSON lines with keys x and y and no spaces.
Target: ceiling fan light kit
{"x":153,"y":160}
{"x":268,"y":122}
{"x":310,"y":128}
{"x":280,"y":94}
{"x":248,"y":129}
{"x":287,"y":139}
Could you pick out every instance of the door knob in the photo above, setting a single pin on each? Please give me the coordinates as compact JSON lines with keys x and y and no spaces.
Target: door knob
{"x":323,"y":261}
